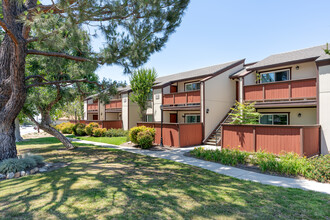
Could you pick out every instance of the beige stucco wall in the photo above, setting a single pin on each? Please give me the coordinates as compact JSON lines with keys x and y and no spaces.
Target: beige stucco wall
{"x":124,"y":108}
{"x":324,"y":107}
{"x":181,"y":84}
{"x":157,"y":98}
{"x":85,"y":110}
{"x":220,"y":94}
{"x":134,"y":115}
{"x":90,"y":117}
{"x":308,"y":115}
{"x":101,"y":111}
{"x":90,"y":101}
{"x":306,"y":70}
{"x":180,"y":115}
{"x":113,"y":116}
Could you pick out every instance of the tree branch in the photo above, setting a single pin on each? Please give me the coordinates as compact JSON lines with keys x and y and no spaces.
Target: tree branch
{"x":63,"y":82}
{"x":56,"y":100}
{"x":8,"y":31}
{"x":35,"y":76}
{"x":56,"y":54}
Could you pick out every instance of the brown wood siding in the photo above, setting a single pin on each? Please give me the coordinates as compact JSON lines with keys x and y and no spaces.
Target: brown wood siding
{"x":285,"y":90}
{"x":304,"y":89}
{"x":177,"y":135}
{"x":115,"y":124}
{"x":278,"y":139}
{"x":191,"y":134}
{"x":94,"y":106}
{"x":272,"y":139}
{"x":253,"y":93}
{"x":241,"y":137}
{"x":311,"y":141}
{"x":114,"y":104}
{"x":182,"y":98}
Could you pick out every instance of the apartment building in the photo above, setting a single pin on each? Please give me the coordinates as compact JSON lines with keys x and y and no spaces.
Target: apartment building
{"x":290,"y":91}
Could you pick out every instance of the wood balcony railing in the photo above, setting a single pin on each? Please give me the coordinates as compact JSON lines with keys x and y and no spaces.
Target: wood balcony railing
{"x":182,"y":98}
{"x":281,"y":91}
{"x":114,"y":104}
{"x":93,"y":107}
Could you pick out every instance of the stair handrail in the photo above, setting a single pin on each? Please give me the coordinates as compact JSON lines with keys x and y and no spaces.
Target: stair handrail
{"x":219,"y":125}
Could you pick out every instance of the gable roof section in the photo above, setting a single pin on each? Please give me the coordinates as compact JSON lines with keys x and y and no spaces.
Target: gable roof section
{"x":198,"y":73}
{"x":304,"y":55}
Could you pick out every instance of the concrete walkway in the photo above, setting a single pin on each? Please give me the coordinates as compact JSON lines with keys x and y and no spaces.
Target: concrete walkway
{"x":178,"y":156}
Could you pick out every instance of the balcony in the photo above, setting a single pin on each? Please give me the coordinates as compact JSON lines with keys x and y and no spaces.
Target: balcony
{"x":182,"y":99}
{"x":114,"y":106}
{"x":289,"y":91}
{"x":93,"y":107}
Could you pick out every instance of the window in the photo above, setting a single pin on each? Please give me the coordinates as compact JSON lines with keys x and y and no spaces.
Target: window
{"x":274,"y":119}
{"x":192,"y":86}
{"x":275,"y":76}
{"x":150,"y":95}
{"x":150,"y":118}
{"x":193,"y":118}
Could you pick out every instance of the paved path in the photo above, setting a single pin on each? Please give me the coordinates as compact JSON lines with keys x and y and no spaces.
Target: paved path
{"x":178,"y":156}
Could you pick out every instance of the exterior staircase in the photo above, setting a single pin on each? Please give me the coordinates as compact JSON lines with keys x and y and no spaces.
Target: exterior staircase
{"x":215,"y":137}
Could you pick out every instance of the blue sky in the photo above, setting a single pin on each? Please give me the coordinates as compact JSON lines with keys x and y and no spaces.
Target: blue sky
{"x":218,"y":31}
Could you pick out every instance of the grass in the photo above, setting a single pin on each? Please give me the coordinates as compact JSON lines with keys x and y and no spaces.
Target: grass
{"x":107,"y":140}
{"x":103,"y":183}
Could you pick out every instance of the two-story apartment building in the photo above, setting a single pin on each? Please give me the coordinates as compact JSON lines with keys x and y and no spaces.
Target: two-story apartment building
{"x":287,"y":93}
{"x":290,"y":91}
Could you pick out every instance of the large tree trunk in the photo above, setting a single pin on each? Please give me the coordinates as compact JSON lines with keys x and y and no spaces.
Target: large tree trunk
{"x":18,"y":136}
{"x":45,"y":125}
{"x":13,"y":52}
{"x":7,"y":142}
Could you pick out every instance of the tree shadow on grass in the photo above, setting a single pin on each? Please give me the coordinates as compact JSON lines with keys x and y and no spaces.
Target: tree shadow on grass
{"x":107,"y":183}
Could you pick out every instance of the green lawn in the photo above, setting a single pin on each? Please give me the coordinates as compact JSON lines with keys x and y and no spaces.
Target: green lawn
{"x":102,"y":183}
{"x":107,"y":140}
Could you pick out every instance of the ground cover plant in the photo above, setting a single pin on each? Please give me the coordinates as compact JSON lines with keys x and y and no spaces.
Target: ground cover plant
{"x":315,"y":168}
{"x":103,"y":183}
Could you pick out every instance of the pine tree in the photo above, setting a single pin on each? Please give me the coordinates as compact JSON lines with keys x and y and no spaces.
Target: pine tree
{"x":132,"y":29}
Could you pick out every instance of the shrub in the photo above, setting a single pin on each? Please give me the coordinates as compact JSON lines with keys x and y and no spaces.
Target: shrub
{"x":142,"y":136}
{"x":79,"y":129}
{"x":90,"y":127}
{"x":145,"y":139}
{"x":316,"y":168}
{"x":26,"y":161}
{"x":99,"y":132}
{"x":116,"y":133}
{"x":65,"y":127}
{"x":11,"y":165}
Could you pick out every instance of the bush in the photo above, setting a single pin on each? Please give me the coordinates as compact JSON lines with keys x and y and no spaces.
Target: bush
{"x":99,"y":132}
{"x":27,"y":161}
{"x":65,"y":127}
{"x":116,"y":133}
{"x":90,"y":127}
{"x":79,"y":129}
{"x":145,"y":139}
{"x":142,"y":135}
{"x":317,"y":168}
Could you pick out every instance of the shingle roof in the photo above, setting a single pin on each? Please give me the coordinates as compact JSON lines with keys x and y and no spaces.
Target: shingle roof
{"x":203,"y":72}
{"x":311,"y":53}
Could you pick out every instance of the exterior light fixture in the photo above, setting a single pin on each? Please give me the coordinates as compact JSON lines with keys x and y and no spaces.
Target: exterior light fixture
{"x":207,"y":111}
{"x":299,"y":115}
{"x":297,"y":67}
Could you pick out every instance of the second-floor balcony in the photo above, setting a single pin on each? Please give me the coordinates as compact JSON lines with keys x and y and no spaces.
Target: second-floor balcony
{"x":93,"y":107}
{"x":114,"y":105}
{"x":191,"y":98}
{"x":291,"y":90}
